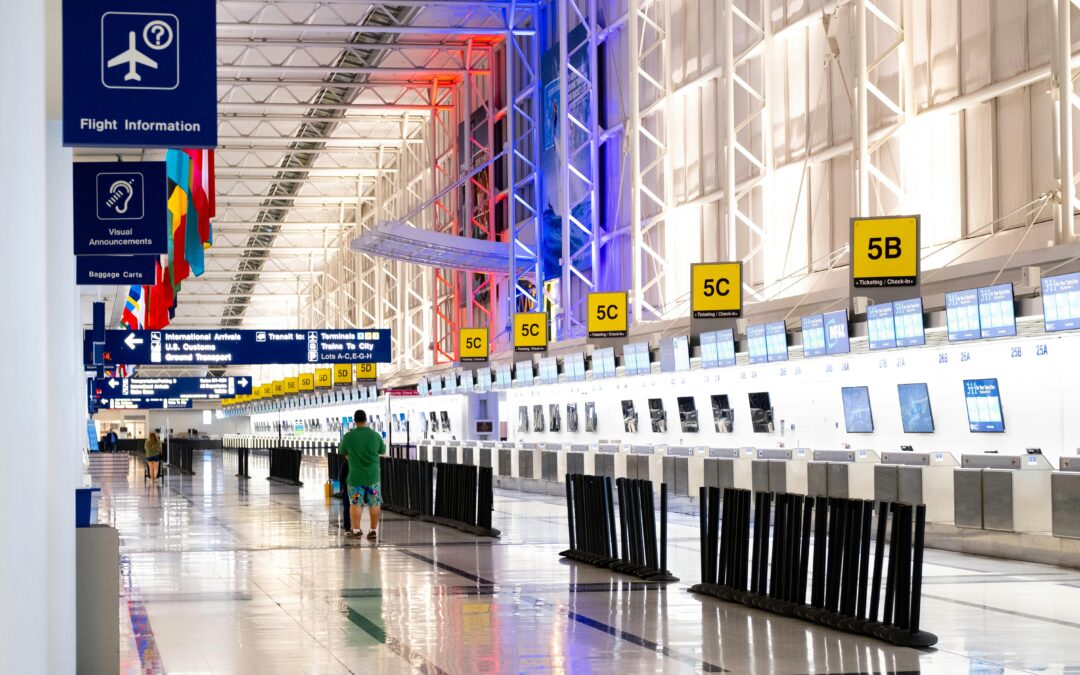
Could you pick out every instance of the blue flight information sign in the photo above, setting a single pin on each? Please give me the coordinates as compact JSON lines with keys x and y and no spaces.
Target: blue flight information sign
{"x":757,"y":344}
{"x":1061,"y":302}
{"x":962,"y":315}
{"x":115,"y":270}
{"x":880,"y":326}
{"x":122,"y":208}
{"x":776,"y":341}
{"x":983,"y":400}
{"x":908,"y":322}
{"x":226,"y":347}
{"x":208,"y":388}
{"x":824,"y":334}
{"x":144,"y":403}
{"x":813,"y":335}
{"x":718,"y":348}
{"x":140,"y":73}
{"x":996,"y":313}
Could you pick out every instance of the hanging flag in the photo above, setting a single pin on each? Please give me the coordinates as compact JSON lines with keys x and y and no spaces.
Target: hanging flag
{"x":177,"y":170}
{"x":193,"y":245}
{"x":160,"y":298}
{"x":134,"y":315}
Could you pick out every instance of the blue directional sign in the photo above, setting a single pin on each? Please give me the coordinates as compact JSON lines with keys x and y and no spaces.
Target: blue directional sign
{"x":140,"y":73}
{"x":114,"y":270}
{"x":208,"y":388}
{"x":120,"y":208}
{"x":246,"y":347}
{"x":143,"y":403}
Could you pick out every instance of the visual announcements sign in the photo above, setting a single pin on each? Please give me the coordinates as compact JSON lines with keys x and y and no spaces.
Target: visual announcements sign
{"x":885,"y":253}
{"x":140,"y":73}
{"x":120,"y":208}
{"x":247,"y":347}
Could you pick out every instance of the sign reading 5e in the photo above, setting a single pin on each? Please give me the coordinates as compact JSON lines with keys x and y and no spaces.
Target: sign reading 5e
{"x":473,"y":345}
{"x":608,"y":316}
{"x":530,"y":332}
{"x":885,"y":252}
{"x":716,"y":290}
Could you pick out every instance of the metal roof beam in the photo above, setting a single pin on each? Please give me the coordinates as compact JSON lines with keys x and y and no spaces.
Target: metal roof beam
{"x":368,"y":29}
{"x":248,"y":72}
{"x":225,"y":106}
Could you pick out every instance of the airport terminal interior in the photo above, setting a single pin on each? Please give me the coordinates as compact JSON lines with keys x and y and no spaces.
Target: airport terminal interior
{"x":529,"y":336}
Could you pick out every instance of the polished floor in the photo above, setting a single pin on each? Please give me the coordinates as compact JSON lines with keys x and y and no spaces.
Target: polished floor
{"x":223,"y":575}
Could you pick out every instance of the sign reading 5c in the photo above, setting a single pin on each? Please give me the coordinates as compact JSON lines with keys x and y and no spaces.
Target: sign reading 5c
{"x":608,"y":316}
{"x":530,"y":332}
{"x":885,"y":252}
{"x":473,"y":345}
{"x":716,"y":290}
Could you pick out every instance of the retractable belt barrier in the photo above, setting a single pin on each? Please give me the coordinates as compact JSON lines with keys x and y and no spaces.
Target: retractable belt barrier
{"x":180,"y":455}
{"x":401,"y":450}
{"x":463,"y":498}
{"x":285,"y":466}
{"x":594,"y":540}
{"x":407,"y":486}
{"x":242,"y":457}
{"x":334,"y":460}
{"x":837,"y":569}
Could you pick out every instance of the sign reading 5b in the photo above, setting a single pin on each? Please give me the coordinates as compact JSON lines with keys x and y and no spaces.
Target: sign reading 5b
{"x":716,"y":290}
{"x":473,"y":345}
{"x":530,"y":332}
{"x":885,"y":252}
{"x":608,"y":316}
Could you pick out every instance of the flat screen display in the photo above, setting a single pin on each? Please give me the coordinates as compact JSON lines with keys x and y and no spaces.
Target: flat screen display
{"x":776,"y":341}
{"x":657,"y":416}
{"x":630,"y":418}
{"x":983,"y":399}
{"x":523,"y":373}
{"x":603,"y":362}
{"x":880,"y":326}
{"x":962,"y":315}
{"x":761,"y":412}
{"x":549,"y":370}
{"x":554,"y":417}
{"x":502,"y":375}
{"x":483,"y":379}
{"x":636,"y":359}
{"x":836,"y":332}
{"x":675,"y":354}
{"x":1061,"y":302}
{"x":590,"y":417}
{"x":996,"y":313}
{"x":571,"y":417}
{"x":435,"y":383}
{"x":756,"y":344}
{"x":813,"y":335}
{"x":718,"y":349}
{"x":908,"y":321}
{"x":574,"y":367}
{"x":723,"y":415}
{"x":688,"y":416}
{"x":915,"y":412}
{"x":538,"y":417}
{"x":857,"y":416}
{"x":523,"y":418}
{"x":422,"y":386}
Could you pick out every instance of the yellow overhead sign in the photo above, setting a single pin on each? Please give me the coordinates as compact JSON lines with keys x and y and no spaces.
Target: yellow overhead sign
{"x":366,"y":371}
{"x":715,"y":290}
{"x":343,"y":373}
{"x":324,"y":378}
{"x":306,"y":381}
{"x":266,"y":390}
{"x":292,"y":385}
{"x":473,"y":345}
{"x":530,"y":332}
{"x":608,"y":315}
{"x":885,"y":252}
{"x":279,"y":388}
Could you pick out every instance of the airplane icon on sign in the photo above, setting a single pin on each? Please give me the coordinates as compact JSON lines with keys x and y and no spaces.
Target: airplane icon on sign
{"x":132,"y":57}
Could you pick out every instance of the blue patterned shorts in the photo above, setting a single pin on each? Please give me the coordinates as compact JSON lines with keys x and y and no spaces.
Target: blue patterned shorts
{"x":366,"y":495}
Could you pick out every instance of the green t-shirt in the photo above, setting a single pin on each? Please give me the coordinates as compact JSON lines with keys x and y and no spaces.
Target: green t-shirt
{"x":362,"y":446}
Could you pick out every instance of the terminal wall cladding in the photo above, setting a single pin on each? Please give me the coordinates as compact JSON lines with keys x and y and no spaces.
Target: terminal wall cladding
{"x":1038,"y":394}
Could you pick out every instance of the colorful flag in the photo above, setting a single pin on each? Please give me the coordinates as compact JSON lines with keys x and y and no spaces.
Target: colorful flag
{"x":193,"y":243}
{"x":177,"y":170}
{"x":134,"y":315}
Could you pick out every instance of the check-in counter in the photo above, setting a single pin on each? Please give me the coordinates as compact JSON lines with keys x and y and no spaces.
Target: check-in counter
{"x":1065,"y":498}
{"x":608,"y":460}
{"x":452,"y":452}
{"x":684,"y":469}
{"x":505,"y":458}
{"x":727,"y":468}
{"x":485,"y":453}
{"x":552,"y":461}
{"x":643,"y":462}
{"x":423,"y":451}
{"x":918,"y":478}
{"x":848,"y":474}
{"x":467,"y":454}
{"x":1006,"y":493}
{"x":528,"y":461}
{"x":578,"y":460}
{"x":780,"y":470}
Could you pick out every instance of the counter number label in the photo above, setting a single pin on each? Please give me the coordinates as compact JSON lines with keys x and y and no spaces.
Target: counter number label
{"x":530,"y":332}
{"x":343,"y":373}
{"x":885,"y":252}
{"x":608,"y":315}
{"x":473,"y":345}
{"x":324,"y":378}
{"x":716,"y":290}
{"x":306,"y":381}
{"x":366,"y":371}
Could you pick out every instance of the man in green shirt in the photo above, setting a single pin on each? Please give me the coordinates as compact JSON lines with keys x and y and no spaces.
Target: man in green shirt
{"x":362,"y":447}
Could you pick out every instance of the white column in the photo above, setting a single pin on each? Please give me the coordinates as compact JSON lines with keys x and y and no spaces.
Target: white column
{"x":39,"y":335}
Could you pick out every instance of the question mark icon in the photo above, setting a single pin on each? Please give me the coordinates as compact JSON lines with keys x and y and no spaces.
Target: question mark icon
{"x":157,"y":34}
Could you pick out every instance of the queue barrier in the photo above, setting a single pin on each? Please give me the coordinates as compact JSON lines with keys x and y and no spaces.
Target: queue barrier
{"x":285,"y":466}
{"x":594,"y":539}
{"x":836,"y":571}
{"x":334,"y":460}
{"x":463,"y":499}
{"x":179,"y":454}
{"x":242,"y":457}
{"x":407,"y":486}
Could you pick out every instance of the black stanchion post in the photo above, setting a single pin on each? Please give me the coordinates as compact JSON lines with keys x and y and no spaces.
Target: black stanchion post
{"x":890,"y":580}
{"x":570,"y":511}
{"x":663,"y":527}
{"x":704,"y":542}
{"x":611,"y":532}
